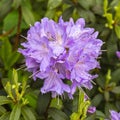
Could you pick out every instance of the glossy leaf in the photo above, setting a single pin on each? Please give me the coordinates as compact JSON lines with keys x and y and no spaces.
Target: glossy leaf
{"x":57,"y":114}
{"x":109,"y":106}
{"x":4,"y":100}
{"x":56,"y":103}
{"x":116,"y":75}
{"x":42,"y":103}
{"x":16,"y":112}
{"x":16,"y":3}
{"x":68,"y":13}
{"x":5,"y":51}
{"x":116,"y":90}
{"x":107,"y":95}
{"x":105,"y":6}
{"x":53,"y":3}
{"x":86,"y":4}
{"x":27,"y":113}
{"x":117,"y":30}
{"x":100,"y":114}
{"x":2,"y":110}
{"x":9,"y":25}
{"x":32,"y":98}
{"x":13,"y":58}
{"x":27,"y":13}
{"x":111,"y":48}
{"x":97,"y":99}
{"x":5,"y":116}
{"x":5,"y":6}
{"x":50,"y":13}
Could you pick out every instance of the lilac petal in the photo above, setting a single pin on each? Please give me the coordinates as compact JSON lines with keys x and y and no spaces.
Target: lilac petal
{"x":91,"y":109}
{"x":80,"y":22}
{"x":118,"y":54}
{"x":114,"y":115}
{"x":54,"y":83}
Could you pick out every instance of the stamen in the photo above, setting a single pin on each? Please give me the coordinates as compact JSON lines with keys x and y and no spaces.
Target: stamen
{"x":99,"y":57}
{"x":93,"y":82}
{"x":34,"y":74}
{"x":103,"y":50}
{"x":21,"y":67}
{"x":23,"y":37}
{"x":58,"y":102}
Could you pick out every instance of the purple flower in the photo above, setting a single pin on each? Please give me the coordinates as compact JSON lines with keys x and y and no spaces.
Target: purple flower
{"x":114,"y":115}
{"x":91,"y":109}
{"x":62,"y":53}
{"x":118,"y":54}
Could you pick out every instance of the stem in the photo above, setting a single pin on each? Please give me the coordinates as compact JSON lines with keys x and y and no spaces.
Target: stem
{"x":18,"y":28}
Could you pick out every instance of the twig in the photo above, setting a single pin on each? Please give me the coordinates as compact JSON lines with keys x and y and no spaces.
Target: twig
{"x":18,"y":28}
{"x":7,"y":33}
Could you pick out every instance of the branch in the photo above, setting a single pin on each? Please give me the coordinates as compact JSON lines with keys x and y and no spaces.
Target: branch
{"x":18,"y":28}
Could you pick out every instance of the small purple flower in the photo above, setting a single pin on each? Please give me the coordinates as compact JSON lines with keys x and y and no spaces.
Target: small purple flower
{"x":114,"y":115}
{"x":118,"y":54}
{"x":91,"y":109}
{"x":60,"y":53}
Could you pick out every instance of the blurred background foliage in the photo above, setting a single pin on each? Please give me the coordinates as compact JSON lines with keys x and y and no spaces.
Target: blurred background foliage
{"x":20,"y":97}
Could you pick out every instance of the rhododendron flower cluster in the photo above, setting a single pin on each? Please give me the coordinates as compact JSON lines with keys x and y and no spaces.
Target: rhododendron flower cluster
{"x":62,"y":53}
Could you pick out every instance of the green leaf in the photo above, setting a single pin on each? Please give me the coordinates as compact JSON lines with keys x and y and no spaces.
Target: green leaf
{"x":16,"y":3}
{"x":32,"y":98}
{"x":2,"y":110}
{"x":27,"y":113}
{"x":5,"y":116}
{"x":13,"y":58}
{"x":15,"y":77}
{"x":116,"y":90}
{"x":110,"y":21}
{"x":57,"y":114}
{"x":111,"y":48}
{"x":105,"y":5}
{"x":5,"y":6}
{"x":117,"y":9}
{"x":42,"y":103}
{"x":54,"y":3}
{"x":16,"y":112}
{"x":117,"y":31}
{"x":100,"y":114}
{"x":86,"y":4}
{"x":68,"y":13}
{"x":116,"y":75}
{"x":56,"y":103}
{"x":50,"y":13}
{"x":107,"y":95}
{"x":91,"y":117}
{"x":88,"y":15}
{"x":6,"y":49}
{"x":27,"y":12}
{"x":5,"y":52}
{"x":97,"y":99}
{"x":68,"y":2}
{"x":109,"y":106}
{"x":10,"y":21}
{"x":101,"y":81}
{"x":4,"y":100}
{"x":108,"y":77}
